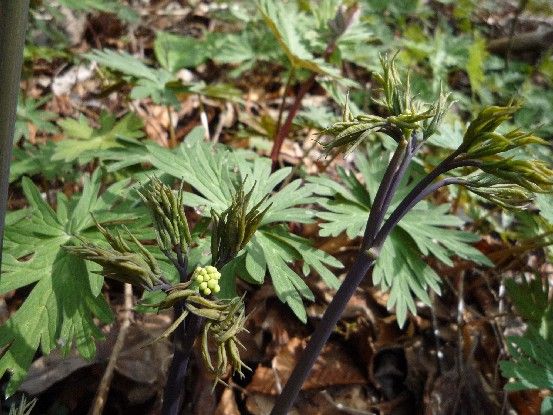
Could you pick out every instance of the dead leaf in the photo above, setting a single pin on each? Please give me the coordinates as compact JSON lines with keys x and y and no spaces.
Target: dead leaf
{"x":227,"y":404}
{"x":333,"y":367}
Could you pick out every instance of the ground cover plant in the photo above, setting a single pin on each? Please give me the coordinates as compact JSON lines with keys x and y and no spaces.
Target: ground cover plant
{"x":278,"y":207}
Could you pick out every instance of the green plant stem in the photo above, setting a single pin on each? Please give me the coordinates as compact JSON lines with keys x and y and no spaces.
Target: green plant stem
{"x":13,"y":24}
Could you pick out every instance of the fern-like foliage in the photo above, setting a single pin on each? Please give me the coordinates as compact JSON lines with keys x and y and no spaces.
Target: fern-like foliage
{"x":531,"y":364}
{"x":83,"y":141}
{"x":214,"y":172}
{"x":425,"y":230}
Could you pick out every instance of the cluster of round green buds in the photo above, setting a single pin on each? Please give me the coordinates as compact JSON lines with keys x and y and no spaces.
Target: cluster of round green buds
{"x":207,"y":279}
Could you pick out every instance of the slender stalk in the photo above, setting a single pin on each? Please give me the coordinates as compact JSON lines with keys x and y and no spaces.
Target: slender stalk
{"x":398,"y":177}
{"x":367,"y":255}
{"x":173,"y":397}
{"x":362,"y":264}
{"x":100,"y":399}
{"x":13,"y":24}
{"x":172,"y":136}
{"x":283,"y":101}
{"x":287,"y":126}
{"x":357,"y":272}
{"x":183,"y":340}
{"x":379,"y":201}
{"x":406,"y":205}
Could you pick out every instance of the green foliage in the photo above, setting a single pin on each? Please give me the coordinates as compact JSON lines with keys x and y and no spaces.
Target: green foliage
{"x":214,"y":172}
{"x":284,"y":21}
{"x":425,"y":230}
{"x":531,"y":364}
{"x":83,"y":141}
{"x":30,"y":160}
{"x":532,"y":303}
{"x":147,"y":81}
{"x":160,"y":85}
{"x":29,"y":112}
{"x":475,"y":63}
{"x":174,"y":52}
{"x":66,"y":297}
{"x":106,"y":6}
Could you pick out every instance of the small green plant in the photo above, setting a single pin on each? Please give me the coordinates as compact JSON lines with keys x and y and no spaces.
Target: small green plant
{"x":63,"y":246}
{"x":501,"y":179}
{"x":196,"y":311}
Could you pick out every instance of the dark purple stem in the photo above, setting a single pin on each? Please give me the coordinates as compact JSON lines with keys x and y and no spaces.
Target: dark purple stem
{"x":356,"y":273}
{"x":379,"y":203}
{"x":406,"y":205}
{"x":366,"y":258}
{"x":183,"y":341}
{"x":412,"y":148}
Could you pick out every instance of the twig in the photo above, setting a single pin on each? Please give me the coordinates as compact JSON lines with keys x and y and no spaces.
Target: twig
{"x":521,"y":6}
{"x":203,"y":118}
{"x":460,"y":322}
{"x":537,"y":41}
{"x":283,"y":101}
{"x":171,"y":128}
{"x":103,"y":389}
{"x":287,"y":126}
{"x":436,"y":332}
{"x":219,"y":129}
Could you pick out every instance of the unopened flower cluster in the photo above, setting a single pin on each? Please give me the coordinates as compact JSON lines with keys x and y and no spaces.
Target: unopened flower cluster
{"x":207,"y":279}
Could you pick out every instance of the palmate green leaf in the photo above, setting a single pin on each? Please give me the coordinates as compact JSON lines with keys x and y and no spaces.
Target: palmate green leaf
{"x":214,"y":172}
{"x":148,"y":82}
{"x":477,"y":55}
{"x":83,"y":141}
{"x":531,"y":300}
{"x":425,"y":230}
{"x":174,"y":52}
{"x":60,"y":308}
{"x":29,"y":112}
{"x":531,"y":366}
{"x":282,"y":20}
{"x":30,"y":160}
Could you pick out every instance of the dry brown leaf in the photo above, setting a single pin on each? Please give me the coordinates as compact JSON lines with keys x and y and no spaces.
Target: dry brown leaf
{"x":227,"y":404}
{"x":333,"y":367}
